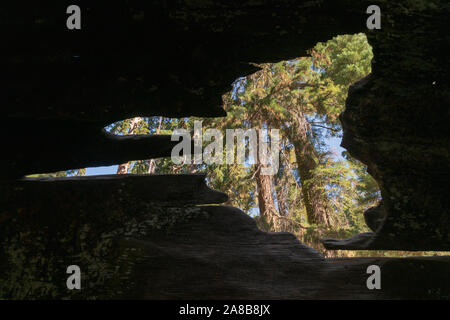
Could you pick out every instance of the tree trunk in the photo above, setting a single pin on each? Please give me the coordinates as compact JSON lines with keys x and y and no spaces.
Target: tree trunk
{"x":266,"y":203}
{"x":268,"y":219}
{"x":152,"y":162}
{"x":123,"y":168}
{"x":307,"y":160}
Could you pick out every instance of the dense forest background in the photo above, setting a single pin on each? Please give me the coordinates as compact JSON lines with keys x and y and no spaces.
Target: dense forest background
{"x":317,"y":192}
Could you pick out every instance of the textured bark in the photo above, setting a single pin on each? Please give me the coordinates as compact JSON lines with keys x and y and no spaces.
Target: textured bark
{"x":375,"y":216}
{"x":266,"y":203}
{"x":307,"y":161}
{"x":269,"y":216}
{"x":131,"y":240}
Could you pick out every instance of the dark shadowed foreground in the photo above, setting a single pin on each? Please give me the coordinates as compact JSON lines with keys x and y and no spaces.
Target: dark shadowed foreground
{"x":132,"y":244}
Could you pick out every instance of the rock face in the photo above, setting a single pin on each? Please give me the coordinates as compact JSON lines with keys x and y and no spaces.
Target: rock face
{"x":152,"y":236}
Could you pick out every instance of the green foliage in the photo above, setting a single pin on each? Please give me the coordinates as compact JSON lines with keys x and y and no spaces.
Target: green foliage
{"x":60,"y":174}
